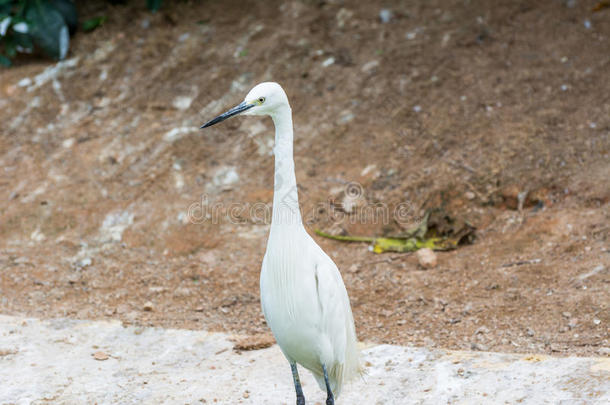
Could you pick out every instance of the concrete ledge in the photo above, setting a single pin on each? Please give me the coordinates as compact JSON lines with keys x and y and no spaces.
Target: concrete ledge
{"x":52,"y":361}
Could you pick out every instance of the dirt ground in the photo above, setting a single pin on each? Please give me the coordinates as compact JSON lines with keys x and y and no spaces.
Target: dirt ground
{"x":499,"y":112}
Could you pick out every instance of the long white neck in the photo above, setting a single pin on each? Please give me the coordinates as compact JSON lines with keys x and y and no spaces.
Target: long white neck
{"x":286,"y":211}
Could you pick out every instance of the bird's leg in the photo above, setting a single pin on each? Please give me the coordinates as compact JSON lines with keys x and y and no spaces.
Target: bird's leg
{"x":297,"y":384}
{"x":330,"y":399}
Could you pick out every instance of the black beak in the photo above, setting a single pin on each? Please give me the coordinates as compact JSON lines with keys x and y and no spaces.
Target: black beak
{"x":233,"y":111}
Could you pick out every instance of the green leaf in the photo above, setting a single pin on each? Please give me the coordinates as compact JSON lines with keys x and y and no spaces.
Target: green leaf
{"x":23,"y":40}
{"x":67,"y":9}
{"x":93,"y":23}
{"x":5,"y":7}
{"x":154,"y":5}
{"x":48,"y":30}
{"x":5,"y":61}
{"x":10,"y":48}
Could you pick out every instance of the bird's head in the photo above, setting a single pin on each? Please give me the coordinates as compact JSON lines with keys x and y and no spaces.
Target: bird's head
{"x":264,"y":99}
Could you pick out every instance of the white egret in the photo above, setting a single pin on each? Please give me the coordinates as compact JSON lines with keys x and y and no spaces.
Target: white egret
{"x":303,"y":296}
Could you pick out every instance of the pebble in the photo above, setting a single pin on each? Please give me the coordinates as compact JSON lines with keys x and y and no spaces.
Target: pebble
{"x":328,"y":62}
{"x":426,"y":258}
{"x":68,"y":143}
{"x":85,"y":262}
{"x":604,"y":351}
{"x":530,"y":332}
{"x":370,"y":66}
{"x":469,"y":195}
{"x":479,"y":347}
{"x":100,"y":356}
{"x":182,"y":102}
{"x":343,"y":16}
{"x":182,"y":292}
{"x":148,"y":306}
{"x":385,"y":15}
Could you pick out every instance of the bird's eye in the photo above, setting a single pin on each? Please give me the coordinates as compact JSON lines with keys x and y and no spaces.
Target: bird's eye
{"x":261,"y":100}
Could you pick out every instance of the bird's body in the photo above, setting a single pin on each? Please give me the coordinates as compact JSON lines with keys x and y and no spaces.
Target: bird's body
{"x":307,"y":308}
{"x":303,"y":296}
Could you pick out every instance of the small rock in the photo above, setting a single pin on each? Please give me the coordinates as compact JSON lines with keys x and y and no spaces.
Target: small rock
{"x":329,"y":61}
{"x":597,"y":321}
{"x":182,"y":102}
{"x":573,"y":323}
{"x":343,"y":16}
{"x":510,"y":195}
{"x":604,"y":351}
{"x":426,"y":258}
{"x":345,"y":117}
{"x":369,"y":169}
{"x":481,"y":330}
{"x":369,"y":67}
{"x":225,"y":177}
{"x":101,"y":356}
{"x":148,"y":306}
{"x":566,"y":314}
{"x":479,"y":347}
{"x":182,"y":292}
{"x":469,"y":195}
{"x":570,"y":3}
{"x":87,"y":261}
{"x":21,"y":260}
{"x":530,"y":332}
{"x":68,"y":143}
{"x":385,"y":15}
{"x":73,"y":278}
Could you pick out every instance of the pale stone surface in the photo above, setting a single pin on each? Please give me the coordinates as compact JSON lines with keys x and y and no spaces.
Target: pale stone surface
{"x":54,"y":361}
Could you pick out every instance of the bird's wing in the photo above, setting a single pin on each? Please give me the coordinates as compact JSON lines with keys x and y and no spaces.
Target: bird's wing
{"x":337,"y":324}
{"x":334,"y":306}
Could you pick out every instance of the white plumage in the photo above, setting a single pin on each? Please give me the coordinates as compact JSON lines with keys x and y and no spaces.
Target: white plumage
{"x":302,"y":293}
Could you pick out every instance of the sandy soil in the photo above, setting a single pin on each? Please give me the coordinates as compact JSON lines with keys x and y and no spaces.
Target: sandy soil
{"x":460,"y":105}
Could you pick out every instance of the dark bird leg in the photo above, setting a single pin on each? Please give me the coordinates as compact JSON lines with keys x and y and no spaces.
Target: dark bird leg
{"x":330,"y":399}
{"x":297,"y":384}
